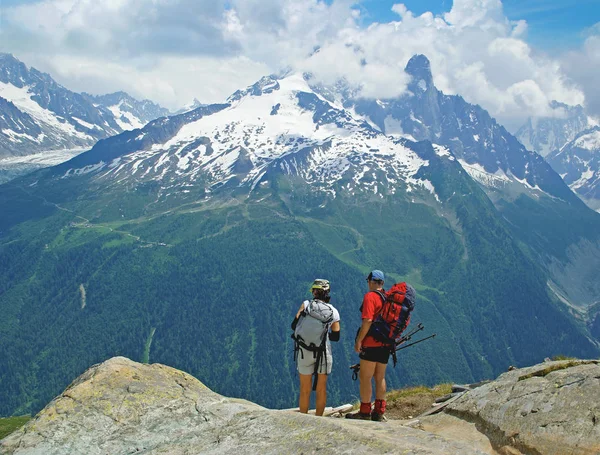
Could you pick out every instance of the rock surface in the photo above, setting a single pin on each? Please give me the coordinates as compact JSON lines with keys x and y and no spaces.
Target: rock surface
{"x":124,"y":407}
{"x":550,"y":409}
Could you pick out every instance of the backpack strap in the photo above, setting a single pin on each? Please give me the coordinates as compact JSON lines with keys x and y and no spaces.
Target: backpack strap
{"x":383,"y":299}
{"x":379,"y":293}
{"x":320,"y":353}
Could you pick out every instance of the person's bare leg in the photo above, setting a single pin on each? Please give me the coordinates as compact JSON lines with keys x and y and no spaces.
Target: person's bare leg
{"x":305,"y":389}
{"x":380,"y":385}
{"x":321,"y":394}
{"x":367,"y":370}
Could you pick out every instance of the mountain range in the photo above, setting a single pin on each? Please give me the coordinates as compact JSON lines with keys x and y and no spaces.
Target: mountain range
{"x":37,"y":114}
{"x":578,"y":163}
{"x":545,"y":135}
{"x":193,"y":240}
{"x":557,"y":138}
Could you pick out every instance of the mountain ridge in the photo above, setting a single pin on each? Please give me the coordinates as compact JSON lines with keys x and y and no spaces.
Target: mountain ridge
{"x":578,"y":162}
{"x":57,"y":118}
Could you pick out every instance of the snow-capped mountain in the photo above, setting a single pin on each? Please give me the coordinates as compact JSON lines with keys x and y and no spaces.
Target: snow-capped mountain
{"x":548,"y":134}
{"x":195,"y":104}
{"x":300,"y":127}
{"x":487,"y":151}
{"x":129,"y":113}
{"x":37,"y":114}
{"x":578,"y":163}
{"x":274,"y":126}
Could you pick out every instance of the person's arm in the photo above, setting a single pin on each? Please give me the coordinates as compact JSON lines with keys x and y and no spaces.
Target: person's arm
{"x":362,"y":333}
{"x":295,"y":321}
{"x":334,"y":335}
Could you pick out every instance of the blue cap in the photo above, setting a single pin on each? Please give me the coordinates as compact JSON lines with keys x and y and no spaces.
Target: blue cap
{"x":376,"y":275}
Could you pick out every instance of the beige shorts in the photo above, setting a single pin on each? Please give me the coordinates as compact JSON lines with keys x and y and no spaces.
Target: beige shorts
{"x":307,"y":359}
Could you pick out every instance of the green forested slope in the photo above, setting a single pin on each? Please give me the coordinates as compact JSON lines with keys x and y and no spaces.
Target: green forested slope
{"x":218,"y":285}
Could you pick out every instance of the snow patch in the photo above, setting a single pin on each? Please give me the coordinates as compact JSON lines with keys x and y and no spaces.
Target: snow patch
{"x":441,"y":150}
{"x":478,"y":173}
{"x":84,"y":170}
{"x":13,"y":136}
{"x":590,"y":141}
{"x":21,"y":98}
{"x":86,"y":124}
{"x":131,"y":122}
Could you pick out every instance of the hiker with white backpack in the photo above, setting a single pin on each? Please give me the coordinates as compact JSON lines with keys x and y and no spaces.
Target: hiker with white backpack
{"x":316,"y":323}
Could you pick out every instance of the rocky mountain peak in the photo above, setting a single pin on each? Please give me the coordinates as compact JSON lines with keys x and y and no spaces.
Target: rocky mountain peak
{"x":194,"y":104}
{"x":265,"y":85}
{"x":565,"y":110}
{"x":12,"y":71}
{"x":419,"y":68}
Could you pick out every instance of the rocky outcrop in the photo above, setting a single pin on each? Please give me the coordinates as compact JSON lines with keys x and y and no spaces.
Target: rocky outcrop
{"x":548,"y":409}
{"x":124,"y":407}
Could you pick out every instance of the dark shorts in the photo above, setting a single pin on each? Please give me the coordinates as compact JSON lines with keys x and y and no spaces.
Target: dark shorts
{"x":379,"y":355}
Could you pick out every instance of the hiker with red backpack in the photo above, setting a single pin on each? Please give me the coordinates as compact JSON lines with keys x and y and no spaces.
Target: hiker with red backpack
{"x":316,"y":323}
{"x":384,"y":316}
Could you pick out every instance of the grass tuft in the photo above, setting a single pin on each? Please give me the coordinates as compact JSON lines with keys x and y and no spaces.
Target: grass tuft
{"x":11,"y":424}
{"x":563,"y":357}
{"x":412,"y":401}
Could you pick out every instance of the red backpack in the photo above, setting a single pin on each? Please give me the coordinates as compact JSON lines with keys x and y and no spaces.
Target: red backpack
{"x":394,"y":316}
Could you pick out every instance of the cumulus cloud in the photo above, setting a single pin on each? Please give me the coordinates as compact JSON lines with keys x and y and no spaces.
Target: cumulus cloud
{"x":120,"y":28}
{"x":172,"y":51}
{"x":170,"y":81}
{"x":474,"y":51}
{"x":583,"y":67}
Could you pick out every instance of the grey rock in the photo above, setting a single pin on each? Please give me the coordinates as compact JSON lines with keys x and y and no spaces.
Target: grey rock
{"x":549,"y":409}
{"x":124,"y":407}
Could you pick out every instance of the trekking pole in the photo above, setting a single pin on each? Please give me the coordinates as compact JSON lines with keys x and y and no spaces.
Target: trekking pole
{"x":418,"y":328}
{"x":416,"y":342}
{"x":409,"y":335}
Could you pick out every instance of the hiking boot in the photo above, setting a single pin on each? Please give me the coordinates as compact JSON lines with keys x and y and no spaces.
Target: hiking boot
{"x":378,"y":417}
{"x":358,"y":416}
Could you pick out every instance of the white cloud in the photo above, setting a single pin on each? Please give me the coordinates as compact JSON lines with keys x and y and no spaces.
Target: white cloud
{"x":583,"y":66}
{"x":486,"y":14}
{"x":172,"y":51}
{"x":170,"y":81}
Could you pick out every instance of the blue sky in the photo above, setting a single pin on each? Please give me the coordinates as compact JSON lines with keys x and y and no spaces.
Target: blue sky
{"x":555,"y":24}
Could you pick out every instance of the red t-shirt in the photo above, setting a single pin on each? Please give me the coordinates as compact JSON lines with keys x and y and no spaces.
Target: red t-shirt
{"x":371,"y":306}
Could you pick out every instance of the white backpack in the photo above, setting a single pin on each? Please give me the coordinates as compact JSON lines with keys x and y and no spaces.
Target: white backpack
{"x":312,"y":327}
